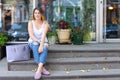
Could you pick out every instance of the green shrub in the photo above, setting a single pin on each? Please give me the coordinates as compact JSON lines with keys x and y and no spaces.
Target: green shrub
{"x":3,"y":39}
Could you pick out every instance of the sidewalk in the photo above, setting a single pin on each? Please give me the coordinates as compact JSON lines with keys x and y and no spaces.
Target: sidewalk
{"x":3,"y":65}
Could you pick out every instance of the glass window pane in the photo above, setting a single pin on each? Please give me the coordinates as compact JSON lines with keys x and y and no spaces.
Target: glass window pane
{"x":81,"y":13}
{"x":16,"y":23}
{"x":89,"y":19}
{"x":112,"y":28}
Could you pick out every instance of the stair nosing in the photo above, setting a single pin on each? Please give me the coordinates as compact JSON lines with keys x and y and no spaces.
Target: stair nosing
{"x":74,"y":60}
{"x":64,"y":74}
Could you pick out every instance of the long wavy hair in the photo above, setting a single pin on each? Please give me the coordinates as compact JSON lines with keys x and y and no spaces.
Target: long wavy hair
{"x":41,"y":12}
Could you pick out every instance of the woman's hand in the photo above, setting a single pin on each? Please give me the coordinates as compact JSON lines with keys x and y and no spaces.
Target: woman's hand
{"x":40,"y":49}
{"x":46,"y":44}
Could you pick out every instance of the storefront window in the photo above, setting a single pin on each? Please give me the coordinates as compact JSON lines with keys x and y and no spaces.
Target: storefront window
{"x":16,"y":16}
{"x":81,"y":13}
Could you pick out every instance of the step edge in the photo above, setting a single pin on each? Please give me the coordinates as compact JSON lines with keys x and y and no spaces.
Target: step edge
{"x":73,"y":60}
{"x":97,"y":73}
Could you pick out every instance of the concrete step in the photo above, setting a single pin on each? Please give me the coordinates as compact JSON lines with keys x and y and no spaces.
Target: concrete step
{"x":87,"y":50}
{"x":71,"y":62}
{"x":86,"y":47}
{"x":71,"y":54}
{"x":112,"y":74}
{"x":59,"y":64}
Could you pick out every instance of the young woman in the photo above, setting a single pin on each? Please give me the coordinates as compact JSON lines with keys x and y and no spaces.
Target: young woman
{"x":37,"y":29}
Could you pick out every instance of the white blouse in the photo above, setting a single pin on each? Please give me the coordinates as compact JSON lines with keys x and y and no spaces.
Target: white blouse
{"x":38,"y":32}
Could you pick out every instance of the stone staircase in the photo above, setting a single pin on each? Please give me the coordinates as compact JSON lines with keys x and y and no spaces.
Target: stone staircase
{"x":72,"y":62}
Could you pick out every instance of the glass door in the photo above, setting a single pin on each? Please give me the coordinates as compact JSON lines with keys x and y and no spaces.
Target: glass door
{"x":111,"y":20}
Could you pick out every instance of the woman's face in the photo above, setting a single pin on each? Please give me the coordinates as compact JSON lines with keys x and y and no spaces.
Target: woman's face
{"x":37,"y":15}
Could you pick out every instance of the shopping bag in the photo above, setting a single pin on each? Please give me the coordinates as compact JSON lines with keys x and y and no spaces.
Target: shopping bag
{"x":17,"y":52}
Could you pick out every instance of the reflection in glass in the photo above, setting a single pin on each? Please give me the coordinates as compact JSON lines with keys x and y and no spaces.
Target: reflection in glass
{"x":112,"y":30}
{"x":19,"y":19}
{"x":81,"y":13}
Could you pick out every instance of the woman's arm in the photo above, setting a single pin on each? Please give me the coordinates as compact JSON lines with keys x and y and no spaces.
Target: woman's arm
{"x":30,"y":31}
{"x":46,"y":29}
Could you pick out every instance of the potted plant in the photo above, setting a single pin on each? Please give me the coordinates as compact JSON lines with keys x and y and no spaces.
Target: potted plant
{"x":77,"y":36}
{"x":52,"y":37}
{"x":63,"y":32}
{"x":3,"y":40}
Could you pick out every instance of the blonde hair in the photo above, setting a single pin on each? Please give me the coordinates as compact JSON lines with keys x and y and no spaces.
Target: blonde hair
{"x":40,"y":10}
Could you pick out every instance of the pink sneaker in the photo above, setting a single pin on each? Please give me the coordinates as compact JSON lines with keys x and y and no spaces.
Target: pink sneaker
{"x":45,"y":72}
{"x":37,"y":76}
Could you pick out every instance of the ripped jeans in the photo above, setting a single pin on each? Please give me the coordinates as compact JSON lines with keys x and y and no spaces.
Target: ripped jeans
{"x":38,"y":57}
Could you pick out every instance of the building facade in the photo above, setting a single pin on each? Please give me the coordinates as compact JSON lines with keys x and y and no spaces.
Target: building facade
{"x":100,"y":18}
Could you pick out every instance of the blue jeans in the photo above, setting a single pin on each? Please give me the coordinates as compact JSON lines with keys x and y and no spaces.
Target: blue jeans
{"x":38,"y":57}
